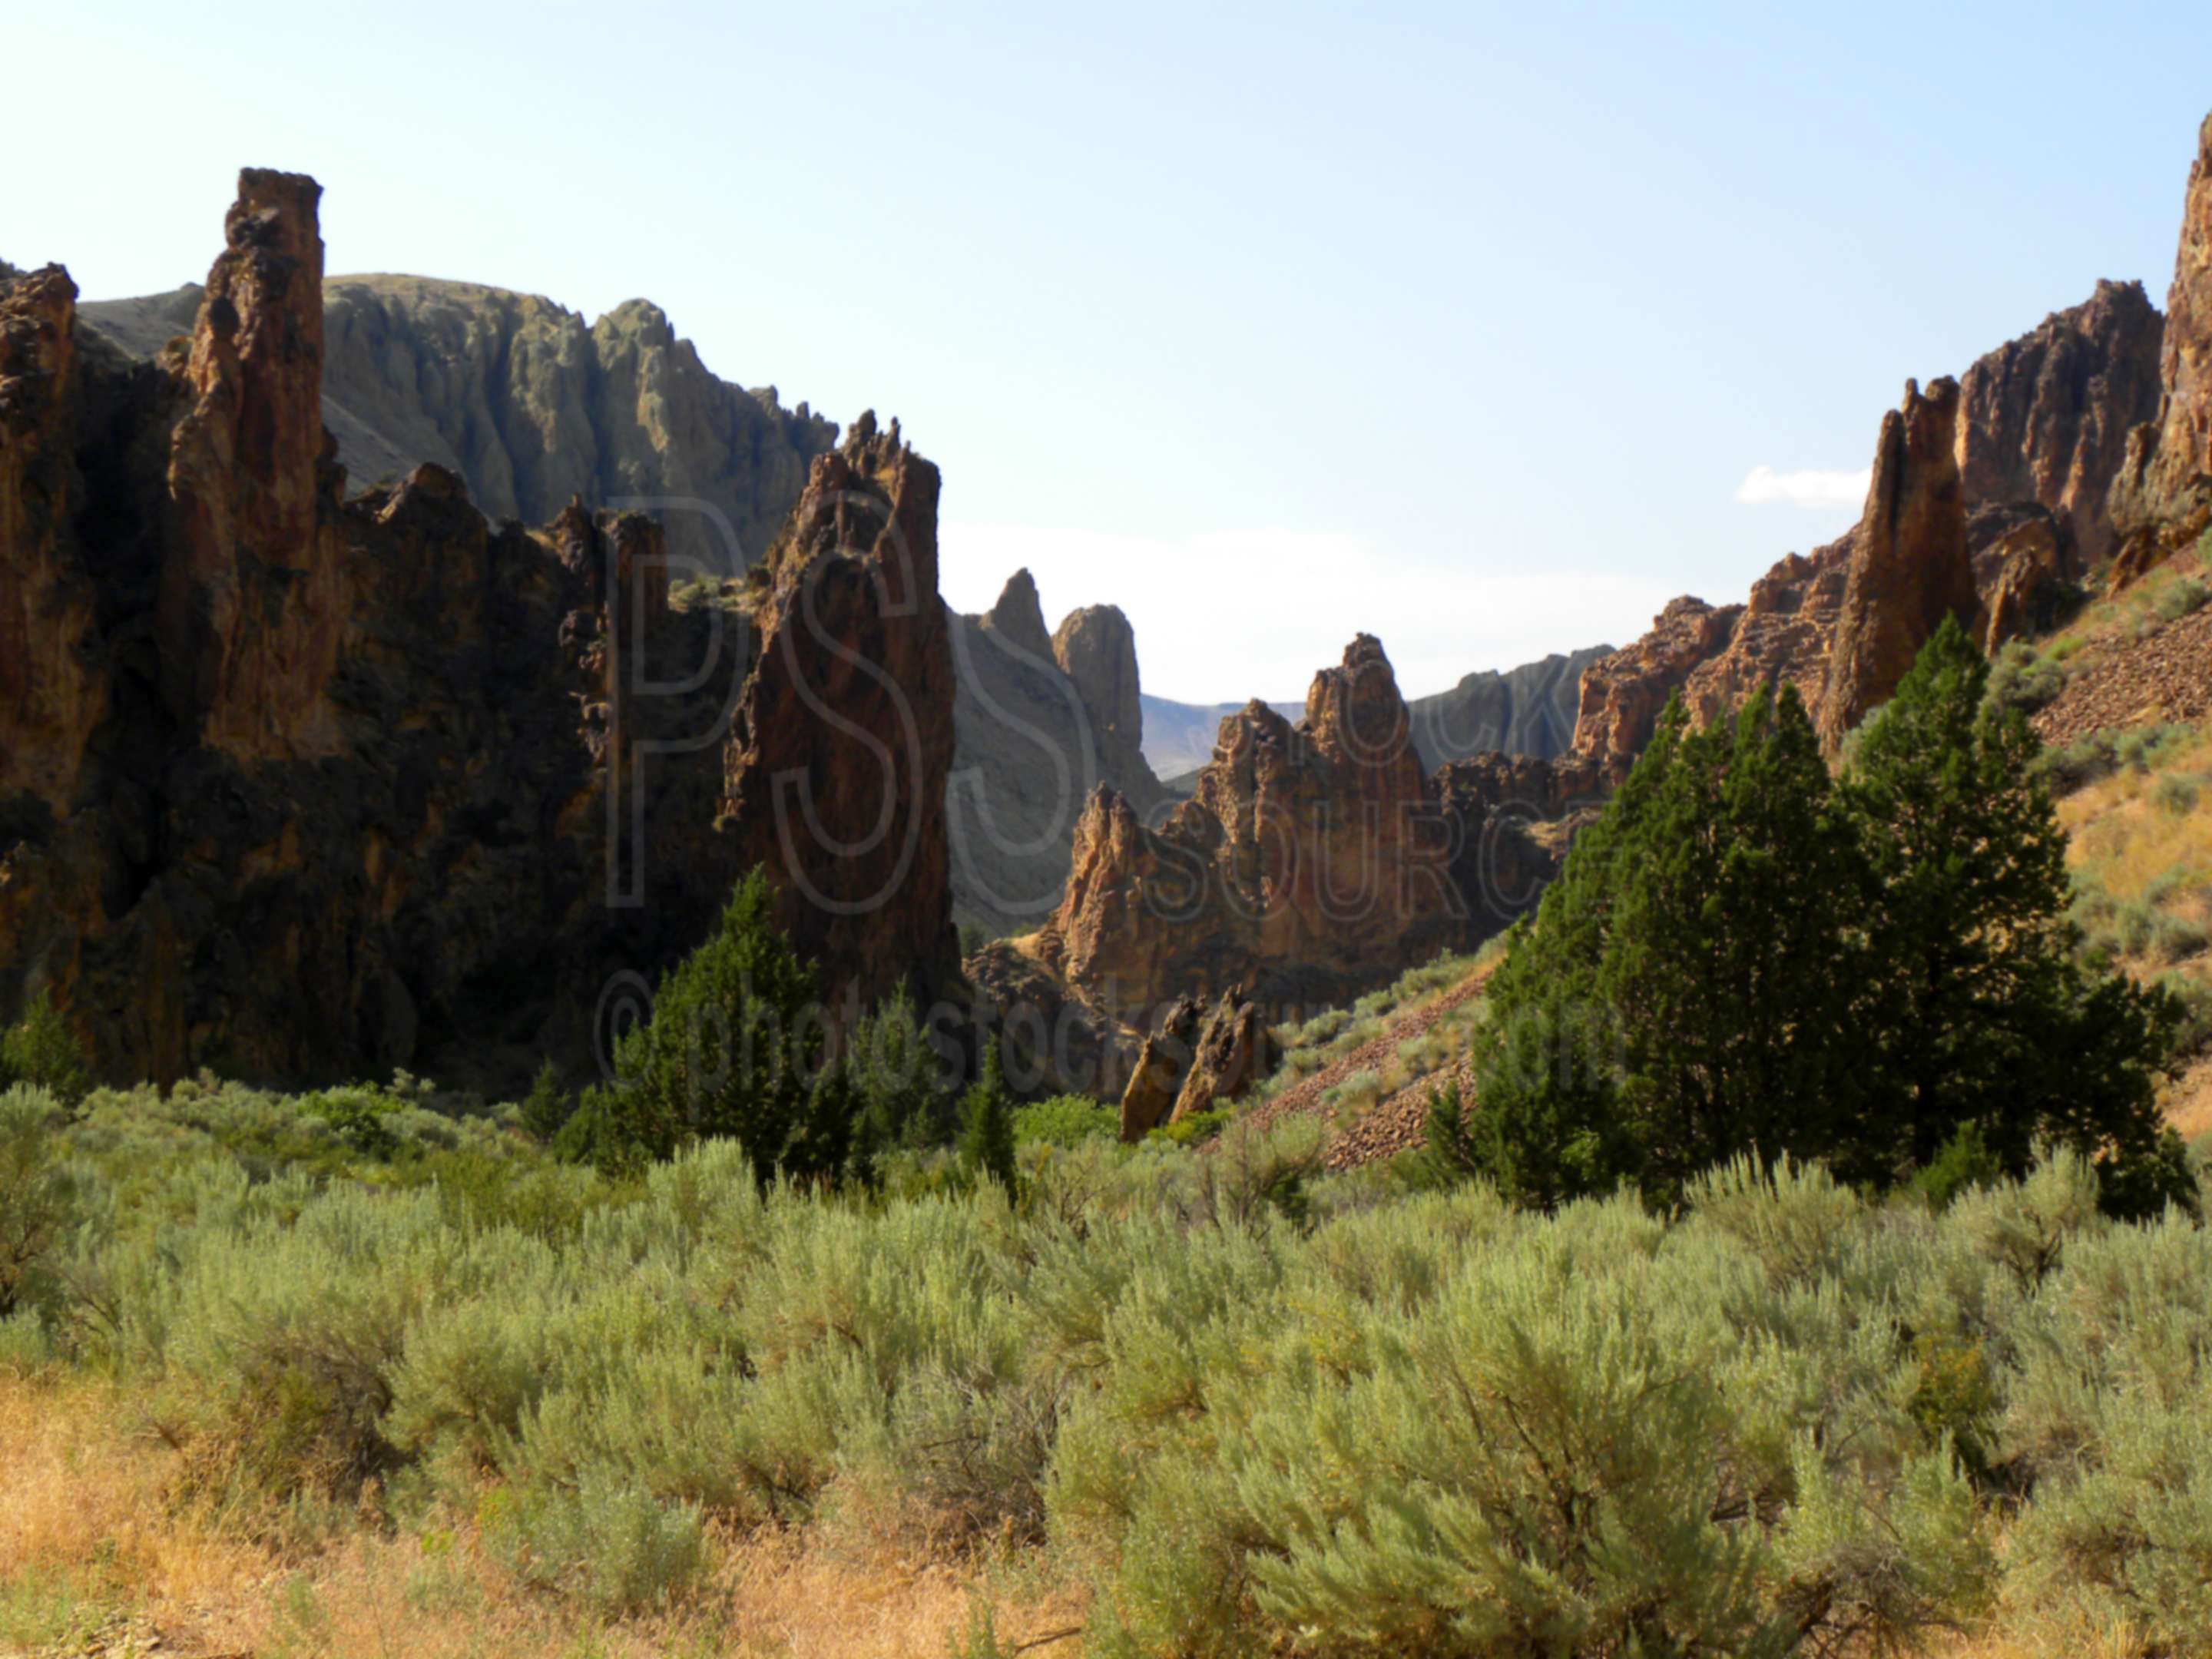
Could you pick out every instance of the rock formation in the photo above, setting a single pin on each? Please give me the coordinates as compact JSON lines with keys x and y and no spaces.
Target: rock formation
{"x":1311,"y":862}
{"x":1623,"y":694}
{"x":1156,"y":1081}
{"x":837,"y":767}
{"x":1029,"y":748}
{"x":533,"y":406}
{"x":2163,"y":500}
{"x":299,"y":787}
{"x":1097,"y":649}
{"x":1911,"y":568}
{"x":1232,"y":1055}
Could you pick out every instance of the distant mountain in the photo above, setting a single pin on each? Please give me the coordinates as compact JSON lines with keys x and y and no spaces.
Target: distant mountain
{"x":534,"y":407}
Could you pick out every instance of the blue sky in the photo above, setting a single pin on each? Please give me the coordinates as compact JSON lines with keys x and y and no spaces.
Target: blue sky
{"x":1465,"y":326}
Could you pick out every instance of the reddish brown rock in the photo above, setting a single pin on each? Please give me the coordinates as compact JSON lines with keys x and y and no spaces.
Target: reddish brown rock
{"x":2035,"y":447}
{"x":837,"y":764}
{"x":1301,"y":853}
{"x":1623,"y":694}
{"x":2163,"y":500}
{"x":1911,"y":568}
{"x":1163,"y":1062}
{"x":52,"y":696}
{"x":1232,"y":1054}
{"x":1311,"y":862}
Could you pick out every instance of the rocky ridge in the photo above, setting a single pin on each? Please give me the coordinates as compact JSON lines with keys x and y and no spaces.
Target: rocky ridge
{"x":1988,"y":498}
{"x":2163,"y":500}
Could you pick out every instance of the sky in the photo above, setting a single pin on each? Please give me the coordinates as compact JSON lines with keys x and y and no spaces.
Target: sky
{"x":1485,"y":330}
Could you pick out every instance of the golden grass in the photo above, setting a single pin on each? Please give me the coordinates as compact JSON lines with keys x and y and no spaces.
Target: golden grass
{"x":96,"y":1558}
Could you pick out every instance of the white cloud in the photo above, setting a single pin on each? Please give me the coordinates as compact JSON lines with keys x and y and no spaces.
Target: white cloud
{"x":1243,"y":613}
{"x":1764,"y":487}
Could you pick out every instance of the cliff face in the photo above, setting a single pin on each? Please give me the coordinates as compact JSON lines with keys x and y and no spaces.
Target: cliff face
{"x":1312,"y":861}
{"x":1528,"y":710}
{"x":300,"y":787}
{"x":2046,"y":417}
{"x":1988,"y":495}
{"x":2163,"y":502}
{"x":532,"y":406}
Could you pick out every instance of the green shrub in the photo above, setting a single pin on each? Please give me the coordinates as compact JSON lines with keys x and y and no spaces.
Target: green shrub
{"x":41,"y":1051}
{"x":2182,"y":598}
{"x":2177,"y":795}
{"x":2023,"y":680}
{"x":1066,"y":1121}
{"x":604,"y":1541}
{"x":41,"y":1196}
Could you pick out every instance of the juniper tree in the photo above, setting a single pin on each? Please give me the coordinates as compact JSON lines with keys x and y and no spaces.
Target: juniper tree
{"x":987,"y":1123}
{"x":734,"y":1050}
{"x":1978,"y":1012}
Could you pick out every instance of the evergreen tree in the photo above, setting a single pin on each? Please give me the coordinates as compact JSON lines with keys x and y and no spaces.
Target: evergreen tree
{"x":546,"y":1109}
{"x":1978,"y":1013}
{"x":987,"y":1123}
{"x":899,"y":1101}
{"x":734,"y":1049}
{"x":1733,"y":957}
{"x":1686,"y":992}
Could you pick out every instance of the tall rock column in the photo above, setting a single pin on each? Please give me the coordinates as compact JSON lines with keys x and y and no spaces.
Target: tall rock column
{"x":1912,"y":570}
{"x":250,"y":616}
{"x":1097,"y":649}
{"x":51,"y":694}
{"x":835,"y":774}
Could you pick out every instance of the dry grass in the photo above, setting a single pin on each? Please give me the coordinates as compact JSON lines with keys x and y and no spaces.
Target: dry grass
{"x":94,"y":1559}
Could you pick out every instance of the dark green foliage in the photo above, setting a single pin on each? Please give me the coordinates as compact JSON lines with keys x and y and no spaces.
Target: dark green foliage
{"x":1743,"y":956}
{"x":1685,"y":992}
{"x":896,"y":1078}
{"x":40,"y":1050}
{"x":37,"y":1194}
{"x":1451,"y":1152}
{"x":546,"y":1109}
{"x":734,"y":1049}
{"x":1965,"y":1163}
{"x":1977,"y":1012}
{"x":986,"y":1124}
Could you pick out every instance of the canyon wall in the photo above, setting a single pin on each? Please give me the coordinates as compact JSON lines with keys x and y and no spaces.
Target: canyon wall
{"x":299,"y":787}
{"x":532,"y":406}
